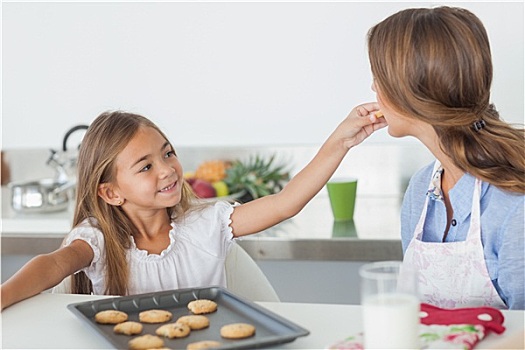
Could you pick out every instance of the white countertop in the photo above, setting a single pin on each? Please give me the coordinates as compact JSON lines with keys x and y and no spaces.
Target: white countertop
{"x":44,"y":322}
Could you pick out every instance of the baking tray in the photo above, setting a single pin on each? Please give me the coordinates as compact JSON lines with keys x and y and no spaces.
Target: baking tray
{"x":271,"y":329}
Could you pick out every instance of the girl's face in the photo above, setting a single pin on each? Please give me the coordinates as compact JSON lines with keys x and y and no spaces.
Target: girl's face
{"x":148,"y":173}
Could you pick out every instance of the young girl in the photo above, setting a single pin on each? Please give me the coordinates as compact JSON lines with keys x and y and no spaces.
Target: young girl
{"x":463,"y":216}
{"x":137,"y":226}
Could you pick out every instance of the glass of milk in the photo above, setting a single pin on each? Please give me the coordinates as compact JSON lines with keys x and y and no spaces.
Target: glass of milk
{"x":390,"y":306}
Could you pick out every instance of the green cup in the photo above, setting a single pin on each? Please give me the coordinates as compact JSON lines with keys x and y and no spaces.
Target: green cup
{"x":342,"y":193}
{"x":344,"y":229}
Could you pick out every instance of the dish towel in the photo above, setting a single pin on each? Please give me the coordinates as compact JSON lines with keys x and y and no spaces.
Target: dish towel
{"x":446,"y":328}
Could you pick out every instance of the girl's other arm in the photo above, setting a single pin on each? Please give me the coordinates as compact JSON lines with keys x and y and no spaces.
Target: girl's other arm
{"x":45,"y":271}
{"x":267,"y":211}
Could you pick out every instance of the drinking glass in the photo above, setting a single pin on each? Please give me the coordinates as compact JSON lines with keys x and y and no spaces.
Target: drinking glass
{"x":390,"y":306}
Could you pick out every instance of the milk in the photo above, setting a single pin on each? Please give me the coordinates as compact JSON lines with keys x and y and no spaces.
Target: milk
{"x":391,"y":321}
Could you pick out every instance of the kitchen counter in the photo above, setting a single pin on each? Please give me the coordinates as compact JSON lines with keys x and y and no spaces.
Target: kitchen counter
{"x":311,"y":235}
{"x":327,"y":324}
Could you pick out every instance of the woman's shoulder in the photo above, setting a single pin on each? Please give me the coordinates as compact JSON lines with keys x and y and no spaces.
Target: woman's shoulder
{"x":500,"y":197}
{"x":425,"y":171}
{"x":421,"y":178}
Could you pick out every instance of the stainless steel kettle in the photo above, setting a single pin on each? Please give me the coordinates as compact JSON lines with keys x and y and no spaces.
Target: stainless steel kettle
{"x":65,"y":161}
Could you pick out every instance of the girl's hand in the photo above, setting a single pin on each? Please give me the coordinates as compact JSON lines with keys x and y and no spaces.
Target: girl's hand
{"x":360,"y":123}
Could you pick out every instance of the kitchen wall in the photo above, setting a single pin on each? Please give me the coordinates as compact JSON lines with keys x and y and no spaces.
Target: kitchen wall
{"x":211,"y":73}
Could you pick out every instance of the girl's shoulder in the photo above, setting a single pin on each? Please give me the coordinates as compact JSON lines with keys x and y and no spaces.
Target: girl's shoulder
{"x":205,"y":225}
{"x":86,"y":230}
{"x":209,"y":211}
{"x":204,"y":217}
{"x":89,"y":224}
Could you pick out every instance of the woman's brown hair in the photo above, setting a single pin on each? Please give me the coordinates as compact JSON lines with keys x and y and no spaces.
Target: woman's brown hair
{"x":106,"y":137}
{"x":435,"y":64}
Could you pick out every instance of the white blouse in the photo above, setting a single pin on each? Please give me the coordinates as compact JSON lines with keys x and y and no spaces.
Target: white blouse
{"x":194,"y":258}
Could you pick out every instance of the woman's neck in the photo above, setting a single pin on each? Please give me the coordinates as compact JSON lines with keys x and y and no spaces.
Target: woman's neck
{"x":451,"y":173}
{"x":450,"y":176}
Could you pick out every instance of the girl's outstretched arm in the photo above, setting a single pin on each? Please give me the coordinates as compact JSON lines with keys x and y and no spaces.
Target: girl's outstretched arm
{"x":45,"y":271}
{"x":265,"y":212}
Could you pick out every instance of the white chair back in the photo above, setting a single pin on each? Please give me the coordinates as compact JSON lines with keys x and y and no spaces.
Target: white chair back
{"x":245,"y":278}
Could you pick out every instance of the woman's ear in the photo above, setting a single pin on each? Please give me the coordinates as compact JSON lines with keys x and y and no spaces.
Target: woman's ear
{"x":109,"y":195}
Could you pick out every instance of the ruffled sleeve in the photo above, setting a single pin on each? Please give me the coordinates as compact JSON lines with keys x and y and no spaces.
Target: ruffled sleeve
{"x":224,"y":212}
{"x":91,"y":235}
{"x":209,"y":229}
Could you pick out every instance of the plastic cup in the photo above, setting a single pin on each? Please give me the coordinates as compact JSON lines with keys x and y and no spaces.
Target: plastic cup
{"x":344,"y":229}
{"x":390,"y":306}
{"x":342,"y":194}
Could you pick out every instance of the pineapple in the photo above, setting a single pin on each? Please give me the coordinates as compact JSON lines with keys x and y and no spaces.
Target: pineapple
{"x":258,"y":177}
{"x":211,"y":171}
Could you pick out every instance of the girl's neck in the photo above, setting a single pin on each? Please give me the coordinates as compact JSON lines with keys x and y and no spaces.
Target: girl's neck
{"x":150,"y":224}
{"x":152,"y":232}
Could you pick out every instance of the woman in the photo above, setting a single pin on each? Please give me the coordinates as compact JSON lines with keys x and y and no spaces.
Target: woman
{"x":462,"y":216}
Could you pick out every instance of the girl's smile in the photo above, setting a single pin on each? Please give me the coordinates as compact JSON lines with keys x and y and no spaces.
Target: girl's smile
{"x":169,"y":188}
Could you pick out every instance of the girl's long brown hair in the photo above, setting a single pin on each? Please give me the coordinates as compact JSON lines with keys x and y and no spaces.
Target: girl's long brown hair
{"x":435,"y":65}
{"x":104,"y":140}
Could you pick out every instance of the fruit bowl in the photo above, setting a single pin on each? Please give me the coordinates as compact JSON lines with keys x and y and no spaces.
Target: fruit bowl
{"x":236,"y":180}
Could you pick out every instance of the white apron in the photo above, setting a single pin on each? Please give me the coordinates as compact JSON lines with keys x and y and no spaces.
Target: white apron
{"x":453,"y":274}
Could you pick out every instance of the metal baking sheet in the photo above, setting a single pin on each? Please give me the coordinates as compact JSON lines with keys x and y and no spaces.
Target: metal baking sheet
{"x":271,"y":329}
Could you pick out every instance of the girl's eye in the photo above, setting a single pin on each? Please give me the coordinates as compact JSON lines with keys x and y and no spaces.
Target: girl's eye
{"x":146,"y":168}
{"x":170,"y":154}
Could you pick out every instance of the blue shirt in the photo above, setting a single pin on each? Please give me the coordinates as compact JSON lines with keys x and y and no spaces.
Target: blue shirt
{"x":502,"y":228}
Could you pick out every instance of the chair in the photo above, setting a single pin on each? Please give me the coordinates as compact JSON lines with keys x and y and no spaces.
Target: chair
{"x":243,"y":277}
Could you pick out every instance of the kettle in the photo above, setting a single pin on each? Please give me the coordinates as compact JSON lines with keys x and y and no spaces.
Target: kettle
{"x":65,"y":161}
{"x":71,"y":131}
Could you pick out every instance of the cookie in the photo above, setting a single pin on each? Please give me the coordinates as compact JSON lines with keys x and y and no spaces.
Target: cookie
{"x":146,"y":341}
{"x":155,"y":316}
{"x":128,"y":328}
{"x":111,"y":317}
{"x":237,"y":330}
{"x":204,"y":344}
{"x":195,"y":322}
{"x":202,"y":306}
{"x":173,"y":330}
